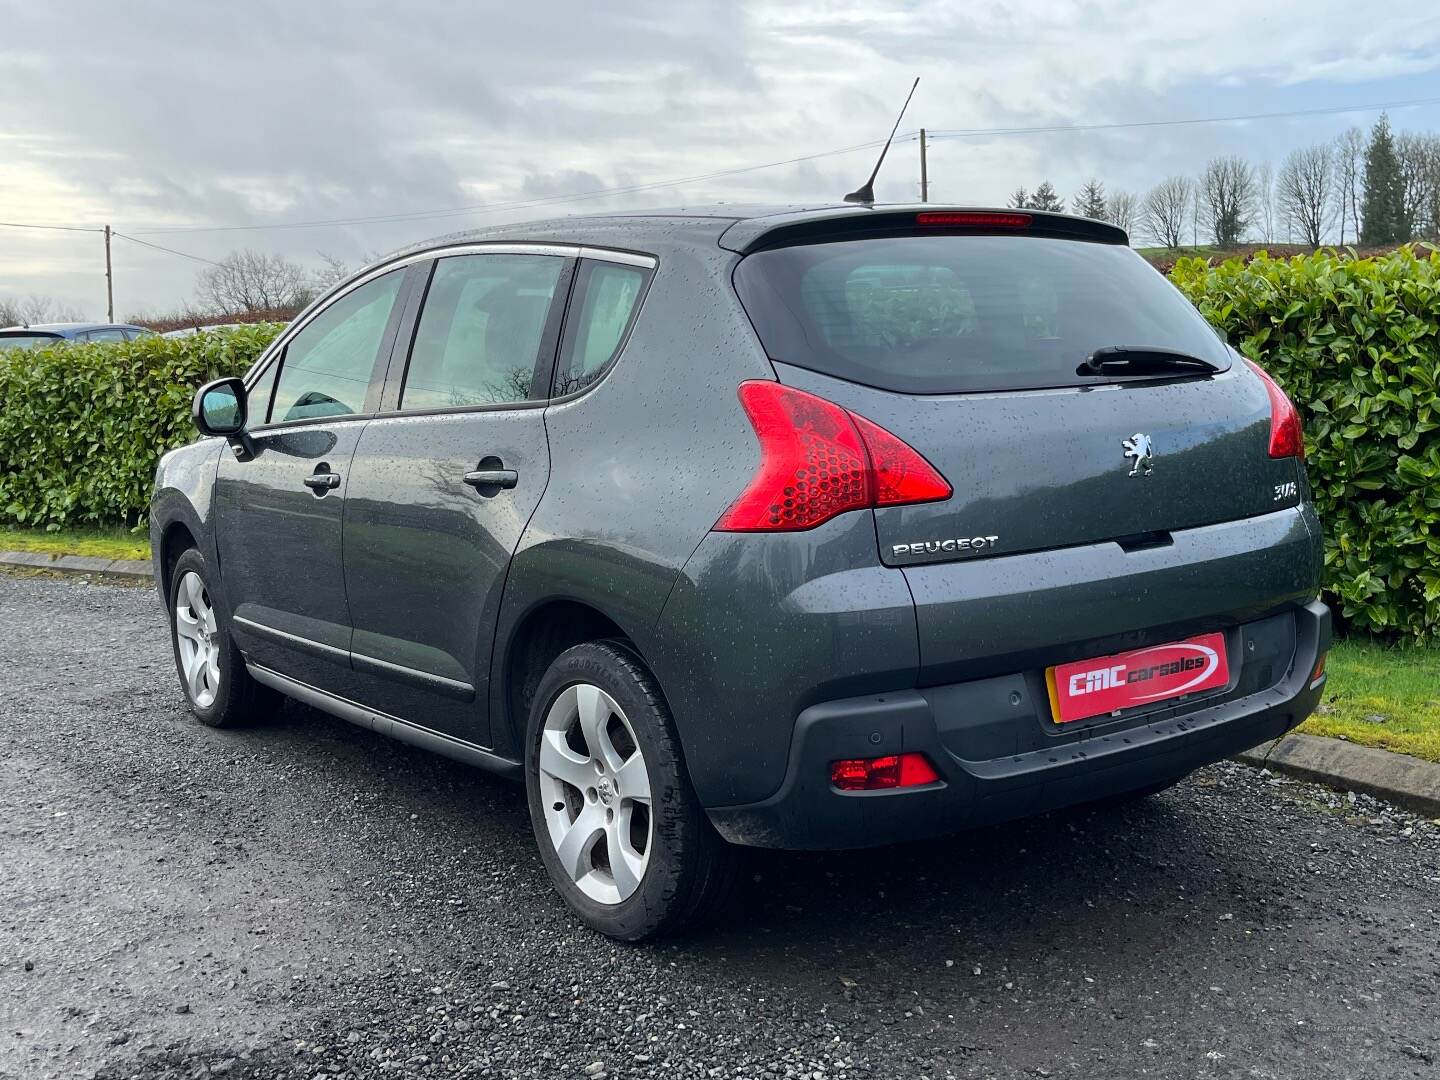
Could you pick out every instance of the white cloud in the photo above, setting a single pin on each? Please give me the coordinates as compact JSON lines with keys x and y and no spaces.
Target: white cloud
{"x":197,"y":114}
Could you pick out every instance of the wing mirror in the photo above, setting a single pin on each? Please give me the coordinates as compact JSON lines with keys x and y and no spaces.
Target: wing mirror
{"x":219,"y":409}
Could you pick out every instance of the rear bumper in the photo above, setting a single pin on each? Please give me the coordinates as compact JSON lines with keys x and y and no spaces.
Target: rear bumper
{"x":1056,"y":767}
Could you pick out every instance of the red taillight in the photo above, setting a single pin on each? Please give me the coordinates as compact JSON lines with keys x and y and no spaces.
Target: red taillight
{"x":975,"y":219}
{"x":880,"y":773}
{"x":818,"y":460}
{"x":1287,"y":435}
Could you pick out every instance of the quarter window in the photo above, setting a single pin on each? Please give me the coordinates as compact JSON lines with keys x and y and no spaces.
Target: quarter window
{"x":608,"y":295}
{"x":480,"y":331}
{"x":327,"y":365}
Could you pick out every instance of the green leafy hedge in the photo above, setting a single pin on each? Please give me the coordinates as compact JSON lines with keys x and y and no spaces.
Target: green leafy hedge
{"x":82,"y":426}
{"x":1356,"y":344}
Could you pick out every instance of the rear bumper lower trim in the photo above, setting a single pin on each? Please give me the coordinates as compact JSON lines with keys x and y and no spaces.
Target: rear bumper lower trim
{"x":806,"y":813}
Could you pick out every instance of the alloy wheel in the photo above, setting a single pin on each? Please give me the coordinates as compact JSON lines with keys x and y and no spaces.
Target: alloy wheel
{"x":198,"y":639}
{"x":595,"y":789}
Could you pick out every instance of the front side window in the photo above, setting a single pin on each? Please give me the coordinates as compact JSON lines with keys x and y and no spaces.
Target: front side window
{"x":111,"y":334}
{"x":480,"y":331}
{"x":326,"y":367}
{"x":609,"y":294}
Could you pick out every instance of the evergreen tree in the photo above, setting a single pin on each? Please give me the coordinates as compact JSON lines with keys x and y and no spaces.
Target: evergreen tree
{"x":1046,"y":199}
{"x":1020,"y":200}
{"x":1090,"y":202}
{"x":1382,"y":214}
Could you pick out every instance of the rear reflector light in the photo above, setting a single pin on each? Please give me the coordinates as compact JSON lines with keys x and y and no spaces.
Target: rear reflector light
{"x":1287,"y":435}
{"x":987,"y":219}
{"x":818,"y":460}
{"x":1318,"y":675}
{"x":882,"y":773}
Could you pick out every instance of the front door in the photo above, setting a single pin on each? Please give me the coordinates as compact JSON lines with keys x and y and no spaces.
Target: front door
{"x":279,"y":513}
{"x":443,"y":484}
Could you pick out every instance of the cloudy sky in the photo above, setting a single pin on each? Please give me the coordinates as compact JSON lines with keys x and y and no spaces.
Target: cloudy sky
{"x":207,"y":127}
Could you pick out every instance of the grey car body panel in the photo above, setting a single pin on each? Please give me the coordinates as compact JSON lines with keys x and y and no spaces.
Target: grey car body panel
{"x":426,"y":556}
{"x":279,"y":550}
{"x":748,"y":614}
{"x":652,"y":453}
{"x":746,"y":632}
{"x":1045,"y":469}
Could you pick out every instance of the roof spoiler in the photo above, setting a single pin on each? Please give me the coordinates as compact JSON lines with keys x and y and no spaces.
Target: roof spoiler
{"x":858,"y":223}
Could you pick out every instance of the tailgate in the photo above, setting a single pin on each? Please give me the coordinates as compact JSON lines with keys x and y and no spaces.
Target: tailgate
{"x":1034,"y":470}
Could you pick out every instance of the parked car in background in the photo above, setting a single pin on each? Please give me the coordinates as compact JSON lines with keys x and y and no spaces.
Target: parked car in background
{"x":191,"y":331}
{"x":42,"y":334}
{"x":796,"y":528}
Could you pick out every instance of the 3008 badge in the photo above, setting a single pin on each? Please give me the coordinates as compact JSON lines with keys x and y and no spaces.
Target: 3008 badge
{"x":1109,"y":684}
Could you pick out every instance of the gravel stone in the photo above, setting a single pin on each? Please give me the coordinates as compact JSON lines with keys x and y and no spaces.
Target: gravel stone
{"x":329,"y":903}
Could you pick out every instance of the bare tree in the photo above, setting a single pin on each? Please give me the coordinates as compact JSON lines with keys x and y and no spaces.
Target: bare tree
{"x":1226,"y":199}
{"x":1348,"y":156}
{"x":249,"y":281}
{"x":18,"y":311}
{"x":1122,"y":208}
{"x":1419,"y":176}
{"x":1166,"y":206}
{"x":1305,"y":192}
{"x":1265,"y":199}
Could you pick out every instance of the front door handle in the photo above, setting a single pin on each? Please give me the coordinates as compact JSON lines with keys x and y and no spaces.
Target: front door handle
{"x":492,"y":478}
{"x":322,"y":482}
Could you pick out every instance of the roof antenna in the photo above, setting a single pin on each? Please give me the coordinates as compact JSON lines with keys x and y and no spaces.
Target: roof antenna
{"x":865,"y":193}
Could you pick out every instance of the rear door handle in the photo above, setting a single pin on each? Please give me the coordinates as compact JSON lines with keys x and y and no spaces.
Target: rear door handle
{"x":322,"y":482}
{"x":496,"y":478}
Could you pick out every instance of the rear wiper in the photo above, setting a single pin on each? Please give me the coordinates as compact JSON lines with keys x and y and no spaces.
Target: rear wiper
{"x":1141,"y":360}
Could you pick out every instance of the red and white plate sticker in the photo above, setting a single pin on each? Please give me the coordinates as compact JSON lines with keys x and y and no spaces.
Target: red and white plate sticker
{"x":1126,"y":680}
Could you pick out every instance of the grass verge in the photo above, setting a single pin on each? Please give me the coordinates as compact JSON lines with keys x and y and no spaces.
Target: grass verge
{"x":1382,"y":695}
{"x":112,"y":543}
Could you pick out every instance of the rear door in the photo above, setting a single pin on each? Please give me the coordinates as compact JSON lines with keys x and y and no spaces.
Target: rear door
{"x":279,"y":512}
{"x":967,"y":347}
{"x":444,"y":481}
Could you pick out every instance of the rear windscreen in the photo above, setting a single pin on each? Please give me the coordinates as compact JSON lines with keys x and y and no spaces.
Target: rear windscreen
{"x":947,"y":314}
{"x":27,"y":341}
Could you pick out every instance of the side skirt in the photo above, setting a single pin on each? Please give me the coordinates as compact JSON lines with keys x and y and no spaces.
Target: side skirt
{"x":385,"y":724}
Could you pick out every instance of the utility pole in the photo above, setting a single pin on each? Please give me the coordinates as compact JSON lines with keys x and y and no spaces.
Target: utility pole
{"x":109,"y":281}
{"x":924,"y":171}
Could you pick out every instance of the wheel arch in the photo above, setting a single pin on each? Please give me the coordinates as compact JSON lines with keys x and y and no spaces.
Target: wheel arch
{"x":543,"y":631}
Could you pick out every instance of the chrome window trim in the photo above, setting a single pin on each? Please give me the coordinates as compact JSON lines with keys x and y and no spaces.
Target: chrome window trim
{"x":567,"y":251}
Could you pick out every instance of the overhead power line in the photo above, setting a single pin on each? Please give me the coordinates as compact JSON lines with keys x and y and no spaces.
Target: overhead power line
{"x":596,"y":193}
{"x":455,"y":211}
{"x":1054,"y":129}
{"x":57,"y":228}
{"x":169,"y":251}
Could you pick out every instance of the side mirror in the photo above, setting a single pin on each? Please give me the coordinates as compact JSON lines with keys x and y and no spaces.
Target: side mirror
{"x":219,"y":408}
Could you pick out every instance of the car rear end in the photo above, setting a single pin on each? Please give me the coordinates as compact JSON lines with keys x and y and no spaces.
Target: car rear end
{"x":25,"y":338}
{"x":1097,"y":512}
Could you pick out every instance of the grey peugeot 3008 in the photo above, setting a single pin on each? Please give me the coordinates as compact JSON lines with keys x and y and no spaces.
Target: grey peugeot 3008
{"x":813,"y":528}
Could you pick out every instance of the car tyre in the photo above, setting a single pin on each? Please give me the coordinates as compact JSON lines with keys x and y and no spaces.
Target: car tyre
{"x":620,"y":831}
{"x":218,"y":688}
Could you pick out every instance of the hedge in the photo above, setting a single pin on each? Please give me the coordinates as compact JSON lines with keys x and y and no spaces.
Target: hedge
{"x":82,"y":426}
{"x":1354,"y":342}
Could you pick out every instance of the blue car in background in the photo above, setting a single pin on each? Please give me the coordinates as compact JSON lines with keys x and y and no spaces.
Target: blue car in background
{"x":42,"y":334}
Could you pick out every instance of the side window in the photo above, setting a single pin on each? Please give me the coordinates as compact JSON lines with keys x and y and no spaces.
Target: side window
{"x":110,"y":334}
{"x":480,"y":331}
{"x":140,"y":334}
{"x":326,"y":367}
{"x":608,"y":295}
{"x":257,"y":398}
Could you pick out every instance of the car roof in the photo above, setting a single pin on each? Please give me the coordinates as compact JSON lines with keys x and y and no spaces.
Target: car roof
{"x":65,"y":329}
{"x":741,"y":227}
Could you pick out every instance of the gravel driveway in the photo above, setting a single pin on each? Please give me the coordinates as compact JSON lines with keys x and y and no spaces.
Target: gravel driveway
{"x":307,"y":899}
